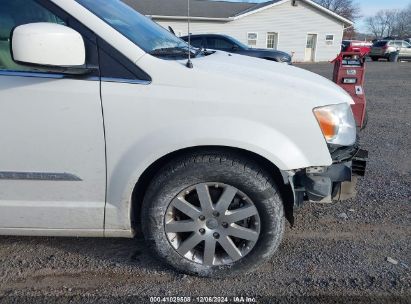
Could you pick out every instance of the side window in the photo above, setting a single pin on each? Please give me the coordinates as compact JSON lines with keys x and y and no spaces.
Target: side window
{"x":106,"y":61}
{"x":219,"y":44}
{"x":14,"y":13}
{"x":405,"y":44}
{"x":197,"y":42}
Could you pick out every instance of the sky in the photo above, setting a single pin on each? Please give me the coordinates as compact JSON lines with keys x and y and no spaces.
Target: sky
{"x":368,"y":8}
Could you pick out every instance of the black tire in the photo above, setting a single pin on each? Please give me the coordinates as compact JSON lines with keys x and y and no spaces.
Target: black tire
{"x":373,"y":58}
{"x":214,"y":166}
{"x":393,"y":57}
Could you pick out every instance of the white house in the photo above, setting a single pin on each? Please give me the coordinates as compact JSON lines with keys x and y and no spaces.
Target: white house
{"x":302,"y":28}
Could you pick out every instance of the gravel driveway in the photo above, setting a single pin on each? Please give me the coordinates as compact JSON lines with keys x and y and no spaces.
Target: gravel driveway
{"x":335,"y":253}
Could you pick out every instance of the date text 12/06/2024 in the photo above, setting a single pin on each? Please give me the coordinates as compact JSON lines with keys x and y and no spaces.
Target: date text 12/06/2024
{"x":235,"y":299}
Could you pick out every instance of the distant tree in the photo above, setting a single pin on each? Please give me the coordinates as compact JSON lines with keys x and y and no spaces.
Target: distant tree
{"x":350,"y":33}
{"x":346,"y":8}
{"x":390,"y":23}
{"x":383,"y":23}
{"x":402,"y":25}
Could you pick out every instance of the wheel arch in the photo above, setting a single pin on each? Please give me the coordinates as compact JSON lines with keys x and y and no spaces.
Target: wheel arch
{"x":271,"y":59}
{"x":145,"y":178}
{"x":128,"y":163}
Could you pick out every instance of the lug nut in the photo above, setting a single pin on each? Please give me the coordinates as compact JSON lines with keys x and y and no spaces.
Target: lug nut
{"x":216,"y":235}
{"x":202,"y":230}
{"x":216,"y":213}
{"x":201,"y":217}
{"x":225,"y":225}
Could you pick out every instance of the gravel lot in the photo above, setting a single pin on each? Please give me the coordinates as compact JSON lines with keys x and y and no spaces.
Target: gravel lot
{"x":327,"y":256}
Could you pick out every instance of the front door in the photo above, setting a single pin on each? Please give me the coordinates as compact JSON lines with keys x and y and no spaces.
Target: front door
{"x":272,"y":40}
{"x":310,"y":47}
{"x":52,"y":159}
{"x":405,"y":51}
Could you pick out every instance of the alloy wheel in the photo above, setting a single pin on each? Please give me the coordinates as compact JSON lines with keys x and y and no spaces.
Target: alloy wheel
{"x":212,"y":224}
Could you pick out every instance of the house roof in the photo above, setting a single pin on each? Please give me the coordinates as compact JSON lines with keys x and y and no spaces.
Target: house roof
{"x":212,"y":10}
{"x":198,"y":8}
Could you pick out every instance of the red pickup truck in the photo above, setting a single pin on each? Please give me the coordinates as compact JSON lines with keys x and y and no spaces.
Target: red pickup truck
{"x":363,"y":47}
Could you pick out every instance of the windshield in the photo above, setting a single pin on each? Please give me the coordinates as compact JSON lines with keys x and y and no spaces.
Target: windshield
{"x":145,"y":33}
{"x":240,"y":44}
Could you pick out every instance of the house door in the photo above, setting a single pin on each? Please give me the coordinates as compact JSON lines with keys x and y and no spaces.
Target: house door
{"x":272,"y":40}
{"x":310,"y":47}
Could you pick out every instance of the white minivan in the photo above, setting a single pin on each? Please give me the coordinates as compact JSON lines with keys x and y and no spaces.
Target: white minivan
{"x":106,"y":131}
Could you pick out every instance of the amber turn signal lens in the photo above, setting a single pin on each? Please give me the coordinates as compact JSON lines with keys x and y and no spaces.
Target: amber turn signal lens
{"x":337,"y":123}
{"x":328,"y":123}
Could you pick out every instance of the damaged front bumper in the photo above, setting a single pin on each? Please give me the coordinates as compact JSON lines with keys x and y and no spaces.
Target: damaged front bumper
{"x":327,"y":184}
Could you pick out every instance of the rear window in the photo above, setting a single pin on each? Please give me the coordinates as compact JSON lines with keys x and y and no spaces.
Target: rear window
{"x":380,"y":43}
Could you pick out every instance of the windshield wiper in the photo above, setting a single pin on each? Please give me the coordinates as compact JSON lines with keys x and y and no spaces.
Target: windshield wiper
{"x":171,"y":51}
{"x":177,"y":51}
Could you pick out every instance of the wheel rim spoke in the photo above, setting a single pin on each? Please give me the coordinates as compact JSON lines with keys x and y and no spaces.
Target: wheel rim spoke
{"x":204,"y":197}
{"x":209,"y":251}
{"x":212,"y":234}
{"x":228,"y":245}
{"x":180,"y":226}
{"x":242,"y":233}
{"x":226,"y":198}
{"x":185,"y":207}
{"x":189,"y":244}
{"x":240,"y":214}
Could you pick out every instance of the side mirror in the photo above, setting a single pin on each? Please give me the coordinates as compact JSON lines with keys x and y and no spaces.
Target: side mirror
{"x":51,"y":46}
{"x":235,"y":47}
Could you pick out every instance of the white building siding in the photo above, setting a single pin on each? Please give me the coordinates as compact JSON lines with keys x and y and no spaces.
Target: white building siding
{"x":291,"y":23}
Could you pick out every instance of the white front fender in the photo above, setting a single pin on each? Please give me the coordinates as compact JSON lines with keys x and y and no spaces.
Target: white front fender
{"x":218,"y":131}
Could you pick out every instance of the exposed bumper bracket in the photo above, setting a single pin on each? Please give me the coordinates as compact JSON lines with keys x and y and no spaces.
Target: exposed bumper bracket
{"x":328,"y":184}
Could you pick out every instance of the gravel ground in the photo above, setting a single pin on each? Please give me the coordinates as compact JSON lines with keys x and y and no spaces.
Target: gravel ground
{"x":335,"y":253}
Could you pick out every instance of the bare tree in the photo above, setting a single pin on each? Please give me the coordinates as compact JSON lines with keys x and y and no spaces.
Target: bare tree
{"x":403,"y":23}
{"x":390,"y":23}
{"x":347,"y":8}
{"x":402,"y":26}
{"x":382,"y":24}
{"x":349,"y":33}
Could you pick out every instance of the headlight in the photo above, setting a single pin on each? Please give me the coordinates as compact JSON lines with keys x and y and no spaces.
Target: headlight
{"x":285,"y":59}
{"x":337,"y":124}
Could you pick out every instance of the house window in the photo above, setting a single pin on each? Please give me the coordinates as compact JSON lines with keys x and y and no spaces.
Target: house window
{"x":329,"y":39}
{"x":272,"y":40}
{"x":252,"y":38}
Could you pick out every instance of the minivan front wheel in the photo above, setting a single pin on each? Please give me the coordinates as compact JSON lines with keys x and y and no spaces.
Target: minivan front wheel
{"x":213,"y":214}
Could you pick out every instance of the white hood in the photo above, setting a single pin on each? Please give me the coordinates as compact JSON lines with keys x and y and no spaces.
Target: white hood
{"x":264,"y":74}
